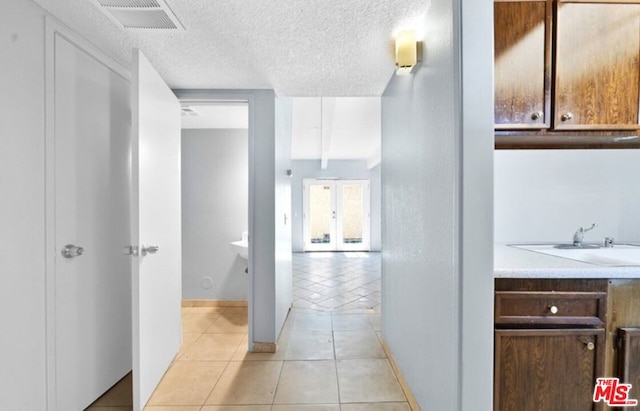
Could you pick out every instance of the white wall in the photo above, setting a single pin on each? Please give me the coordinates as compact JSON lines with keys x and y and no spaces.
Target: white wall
{"x":344,"y":169}
{"x":437,"y":278}
{"x":545,"y":195}
{"x":215,"y":202}
{"x":283,"y":270}
{"x":22,"y":191}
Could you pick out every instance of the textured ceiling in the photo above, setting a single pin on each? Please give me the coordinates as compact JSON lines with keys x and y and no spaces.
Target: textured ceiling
{"x":298,"y":48}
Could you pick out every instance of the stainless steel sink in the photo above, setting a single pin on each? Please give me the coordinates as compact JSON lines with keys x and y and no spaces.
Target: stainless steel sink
{"x":621,"y":255}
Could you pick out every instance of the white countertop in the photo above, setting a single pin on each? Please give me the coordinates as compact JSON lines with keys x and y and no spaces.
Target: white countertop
{"x":512,"y":262}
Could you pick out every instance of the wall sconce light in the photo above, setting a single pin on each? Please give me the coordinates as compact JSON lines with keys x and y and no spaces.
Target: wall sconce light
{"x":408,"y":54}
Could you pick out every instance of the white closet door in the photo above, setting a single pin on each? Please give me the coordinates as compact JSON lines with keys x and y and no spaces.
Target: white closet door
{"x":157,"y":282}
{"x":91,"y":300}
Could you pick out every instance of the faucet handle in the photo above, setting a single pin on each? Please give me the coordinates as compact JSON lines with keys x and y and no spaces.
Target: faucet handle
{"x":579,"y":234}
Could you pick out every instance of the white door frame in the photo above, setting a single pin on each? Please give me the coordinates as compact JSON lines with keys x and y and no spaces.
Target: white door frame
{"x":336,"y":243}
{"x":213,"y":97}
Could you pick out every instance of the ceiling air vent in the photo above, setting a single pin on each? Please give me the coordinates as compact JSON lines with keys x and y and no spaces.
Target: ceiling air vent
{"x":140,"y":14}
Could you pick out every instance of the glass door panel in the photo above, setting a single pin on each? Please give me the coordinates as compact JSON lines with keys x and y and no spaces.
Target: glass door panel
{"x":336,"y":215}
{"x":353,"y":215}
{"x":320,"y":216}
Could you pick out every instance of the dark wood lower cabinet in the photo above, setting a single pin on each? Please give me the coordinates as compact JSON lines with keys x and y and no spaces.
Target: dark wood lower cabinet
{"x":547,"y":369}
{"x":629,"y":360}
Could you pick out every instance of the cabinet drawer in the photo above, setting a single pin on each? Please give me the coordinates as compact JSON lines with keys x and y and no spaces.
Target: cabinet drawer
{"x":550,"y":308}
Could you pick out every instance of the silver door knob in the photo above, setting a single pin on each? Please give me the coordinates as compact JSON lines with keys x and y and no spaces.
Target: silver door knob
{"x":553,"y":309}
{"x":71,"y":251}
{"x":131,"y":250}
{"x":151,"y":249}
{"x":590,"y":346}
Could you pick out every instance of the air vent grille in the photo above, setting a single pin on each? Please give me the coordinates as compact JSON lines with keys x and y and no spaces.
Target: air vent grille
{"x":137,"y":19}
{"x":136,"y":4}
{"x":140,"y":14}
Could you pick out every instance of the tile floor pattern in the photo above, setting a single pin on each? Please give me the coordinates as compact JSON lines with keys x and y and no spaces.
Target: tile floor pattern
{"x":329,"y":354}
{"x":326,"y":361}
{"x":348,"y":282}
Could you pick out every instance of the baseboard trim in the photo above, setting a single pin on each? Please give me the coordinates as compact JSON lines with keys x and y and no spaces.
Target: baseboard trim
{"x":403,"y":383}
{"x":214,"y":303}
{"x":264,"y":347}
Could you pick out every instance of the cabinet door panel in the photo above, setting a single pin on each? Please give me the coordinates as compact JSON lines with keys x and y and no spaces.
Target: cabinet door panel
{"x":547,"y":369}
{"x":522,"y":60}
{"x":597,"y":68}
{"x":629,"y":359}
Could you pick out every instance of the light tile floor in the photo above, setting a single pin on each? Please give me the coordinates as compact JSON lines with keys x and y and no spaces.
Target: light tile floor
{"x":329,"y":356}
{"x":348,"y":282}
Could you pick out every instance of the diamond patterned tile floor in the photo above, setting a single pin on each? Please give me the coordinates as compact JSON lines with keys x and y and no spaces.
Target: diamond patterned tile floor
{"x":341,"y":281}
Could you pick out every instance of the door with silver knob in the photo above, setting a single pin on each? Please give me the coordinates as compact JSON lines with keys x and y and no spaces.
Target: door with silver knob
{"x":89,"y":284}
{"x":157,"y":279}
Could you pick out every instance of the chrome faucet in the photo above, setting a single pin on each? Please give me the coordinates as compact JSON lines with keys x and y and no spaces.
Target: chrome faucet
{"x":579,"y":235}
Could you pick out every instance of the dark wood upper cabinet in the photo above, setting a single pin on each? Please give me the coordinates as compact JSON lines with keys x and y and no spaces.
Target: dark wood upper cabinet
{"x":597,"y":72}
{"x":567,"y":73}
{"x":522,"y":39}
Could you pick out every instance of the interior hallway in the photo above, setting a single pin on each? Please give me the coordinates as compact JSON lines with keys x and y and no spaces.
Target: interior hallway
{"x":329,"y":354}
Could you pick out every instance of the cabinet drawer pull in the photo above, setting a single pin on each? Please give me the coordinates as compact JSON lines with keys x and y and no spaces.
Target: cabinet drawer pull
{"x":537,"y":115}
{"x":566,"y":117}
{"x":590,"y":346}
{"x":553,"y":309}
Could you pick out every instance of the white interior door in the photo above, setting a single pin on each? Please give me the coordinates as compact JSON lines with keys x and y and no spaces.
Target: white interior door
{"x":336,"y":215}
{"x":91,"y":286}
{"x":156,"y":291}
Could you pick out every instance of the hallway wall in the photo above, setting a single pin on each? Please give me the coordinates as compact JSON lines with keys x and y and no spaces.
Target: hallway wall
{"x":22,"y":226}
{"x":343,"y":169}
{"x":215,"y":202}
{"x":437,"y":246}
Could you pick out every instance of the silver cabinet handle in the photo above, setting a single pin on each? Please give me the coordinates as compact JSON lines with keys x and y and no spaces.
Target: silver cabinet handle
{"x":566,"y":117}
{"x":71,"y":251}
{"x":151,"y":249}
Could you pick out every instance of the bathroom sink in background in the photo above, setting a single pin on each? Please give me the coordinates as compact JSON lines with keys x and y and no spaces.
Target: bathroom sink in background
{"x":242,"y":247}
{"x":621,"y":255}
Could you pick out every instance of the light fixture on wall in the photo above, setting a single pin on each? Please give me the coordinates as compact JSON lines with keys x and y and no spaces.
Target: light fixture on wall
{"x":407,"y":52}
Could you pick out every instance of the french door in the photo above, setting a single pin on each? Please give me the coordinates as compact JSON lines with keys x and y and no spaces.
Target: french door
{"x":336,"y":215}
